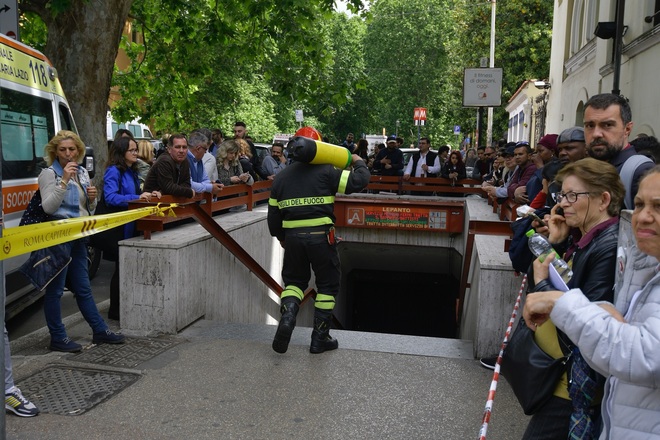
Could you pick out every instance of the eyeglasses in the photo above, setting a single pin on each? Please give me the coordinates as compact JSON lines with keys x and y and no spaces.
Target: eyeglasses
{"x":201,"y":147}
{"x":571,"y":196}
{"x":134,"y":151}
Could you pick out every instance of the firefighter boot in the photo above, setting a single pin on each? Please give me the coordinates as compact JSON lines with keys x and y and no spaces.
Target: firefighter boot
{"x":321,"y":339}
{"x":289,"y":310}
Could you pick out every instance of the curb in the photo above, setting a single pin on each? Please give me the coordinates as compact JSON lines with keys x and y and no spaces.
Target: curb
{"x":33,"y":338}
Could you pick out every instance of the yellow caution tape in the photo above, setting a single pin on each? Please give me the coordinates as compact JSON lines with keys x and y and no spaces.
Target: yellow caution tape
{"x":24,"y":239}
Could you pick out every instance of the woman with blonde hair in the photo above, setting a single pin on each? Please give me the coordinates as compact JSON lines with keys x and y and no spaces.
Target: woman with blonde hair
{"x":67,"y":192}
{"x":230,"y":171}
{"x":145,"y":159}
{"x":245,"y":157}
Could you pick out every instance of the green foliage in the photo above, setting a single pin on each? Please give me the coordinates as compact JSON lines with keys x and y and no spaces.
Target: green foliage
{"x":210,"y":63}
{"x":32,"y":30}
{"x":406,"y":62}
{"x":523,"y":30}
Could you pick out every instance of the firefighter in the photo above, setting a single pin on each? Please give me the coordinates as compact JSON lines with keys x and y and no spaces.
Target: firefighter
{"x":301,"y":216}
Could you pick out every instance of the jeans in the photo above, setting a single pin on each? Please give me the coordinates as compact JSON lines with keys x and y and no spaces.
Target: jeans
{"x":9,"y":376}
{"x":551,"y":422}
{"x":78,"y":275}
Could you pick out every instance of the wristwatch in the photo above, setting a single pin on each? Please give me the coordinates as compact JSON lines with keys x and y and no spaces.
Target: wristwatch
{"x":63,"y":184}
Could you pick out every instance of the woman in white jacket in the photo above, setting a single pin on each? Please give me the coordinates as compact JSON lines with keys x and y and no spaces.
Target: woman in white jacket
{"x":621,"y":343}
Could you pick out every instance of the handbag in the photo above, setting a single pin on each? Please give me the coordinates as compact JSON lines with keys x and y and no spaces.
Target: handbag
{"x":44,"y":265}
{"x":532,"y":373}
{"x":34,"y":213}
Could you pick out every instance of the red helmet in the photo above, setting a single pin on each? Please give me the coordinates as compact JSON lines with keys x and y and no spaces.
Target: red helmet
{"x":309,"y":132}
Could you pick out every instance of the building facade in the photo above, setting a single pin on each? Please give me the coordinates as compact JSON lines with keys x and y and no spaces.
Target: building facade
{"x":583,"y":65}
{"x":527,"y":110}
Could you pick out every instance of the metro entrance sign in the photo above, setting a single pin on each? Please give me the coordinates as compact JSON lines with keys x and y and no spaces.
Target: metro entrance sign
{"x":419,"y":116}
{"x":482,"y":87}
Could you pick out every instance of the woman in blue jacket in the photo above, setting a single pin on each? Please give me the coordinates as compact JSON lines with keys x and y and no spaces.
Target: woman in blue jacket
{"x":120,"y":186}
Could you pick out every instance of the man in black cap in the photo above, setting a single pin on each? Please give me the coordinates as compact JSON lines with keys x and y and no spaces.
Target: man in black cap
{"x":571,"y":146}
{"x":500,"y":192}
{"x":389,"y":161}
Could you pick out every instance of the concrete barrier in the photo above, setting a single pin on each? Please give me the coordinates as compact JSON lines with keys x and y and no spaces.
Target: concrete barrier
{"x":183,"y":274}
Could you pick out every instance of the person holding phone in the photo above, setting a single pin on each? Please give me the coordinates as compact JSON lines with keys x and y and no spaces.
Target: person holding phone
{"x":67,"y":192}
{"x":583,"y":227}
{"x":230,"y":171}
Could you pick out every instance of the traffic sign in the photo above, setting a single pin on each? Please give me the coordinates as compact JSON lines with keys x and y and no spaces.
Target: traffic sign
{"x":457,"y":129}
{"x":419,"y":116}
{"x":9,"y":18}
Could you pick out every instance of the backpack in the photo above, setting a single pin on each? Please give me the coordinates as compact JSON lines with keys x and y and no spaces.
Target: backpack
{"x":627,"y":174}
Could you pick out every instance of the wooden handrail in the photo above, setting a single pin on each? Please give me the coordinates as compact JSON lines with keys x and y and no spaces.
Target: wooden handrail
{"x":425,"y":185}
{"x":230,"y":196}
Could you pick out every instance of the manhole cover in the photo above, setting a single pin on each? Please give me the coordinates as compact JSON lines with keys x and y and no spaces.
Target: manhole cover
{"x":130,"y":354}
{"x":72,"y":391}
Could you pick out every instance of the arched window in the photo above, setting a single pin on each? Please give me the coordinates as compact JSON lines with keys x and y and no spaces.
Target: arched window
{"x":583,"y":25}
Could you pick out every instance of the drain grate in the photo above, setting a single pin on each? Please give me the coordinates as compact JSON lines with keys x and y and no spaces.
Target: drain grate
{"x":72,"y":391}
{"x":127,"y":355}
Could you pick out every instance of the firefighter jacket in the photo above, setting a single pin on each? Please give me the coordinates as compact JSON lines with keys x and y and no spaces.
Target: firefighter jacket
{"x":303,"y":195}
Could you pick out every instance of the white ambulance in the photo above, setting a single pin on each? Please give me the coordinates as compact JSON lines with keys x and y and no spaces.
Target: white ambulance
{"x":32,"y":109}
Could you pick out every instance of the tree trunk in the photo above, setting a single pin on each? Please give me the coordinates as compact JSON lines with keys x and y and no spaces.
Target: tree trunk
{"x":82,"y":45}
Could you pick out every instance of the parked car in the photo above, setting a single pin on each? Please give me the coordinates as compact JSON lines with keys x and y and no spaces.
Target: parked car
{"x":407,"y":154}
{"x":263,"y":150}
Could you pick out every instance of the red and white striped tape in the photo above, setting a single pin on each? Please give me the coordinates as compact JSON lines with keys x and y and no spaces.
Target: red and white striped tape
{"x":496,"y":374}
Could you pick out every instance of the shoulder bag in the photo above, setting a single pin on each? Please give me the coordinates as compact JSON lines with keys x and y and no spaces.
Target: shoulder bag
{"x":43,"y":265}
{"x":532,"y":373}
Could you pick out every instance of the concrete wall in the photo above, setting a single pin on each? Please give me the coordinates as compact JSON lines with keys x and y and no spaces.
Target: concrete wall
{"x":182,"y":274}
{"x":493,"y":286}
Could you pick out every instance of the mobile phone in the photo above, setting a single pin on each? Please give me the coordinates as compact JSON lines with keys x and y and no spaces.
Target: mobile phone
{"x":536,"y":217}
{"x":559,"y":211}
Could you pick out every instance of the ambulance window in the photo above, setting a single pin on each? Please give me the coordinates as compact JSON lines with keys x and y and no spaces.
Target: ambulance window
{"x":66,"y":120}
{"x":26,"y":126}
{"x":135,"y":129}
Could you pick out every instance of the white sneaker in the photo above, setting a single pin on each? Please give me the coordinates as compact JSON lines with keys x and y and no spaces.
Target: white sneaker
{"x":18,"y":404}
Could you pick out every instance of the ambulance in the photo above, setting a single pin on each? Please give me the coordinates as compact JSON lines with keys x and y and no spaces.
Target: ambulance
{"x":32,"y":109}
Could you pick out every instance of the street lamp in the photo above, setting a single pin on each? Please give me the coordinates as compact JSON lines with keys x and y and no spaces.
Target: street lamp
{"x":396,"y":132}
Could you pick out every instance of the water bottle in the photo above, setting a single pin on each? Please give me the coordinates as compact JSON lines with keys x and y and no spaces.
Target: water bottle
{"x":541,"y":247}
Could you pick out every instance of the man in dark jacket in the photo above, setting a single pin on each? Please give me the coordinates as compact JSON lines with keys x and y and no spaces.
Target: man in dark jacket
{"x":389,"y":161}
{"x":171,"y":172}
{"x":301,"y":216}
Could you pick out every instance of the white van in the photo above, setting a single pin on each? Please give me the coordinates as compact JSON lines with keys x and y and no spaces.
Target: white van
{"x":139,"y":130}
{"x":32,"y":109}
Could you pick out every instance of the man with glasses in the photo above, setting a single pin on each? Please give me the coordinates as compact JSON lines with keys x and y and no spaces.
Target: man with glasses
{"x":171,"y":173}
{"x":423,"y":163}
{"x":199,"y":179}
